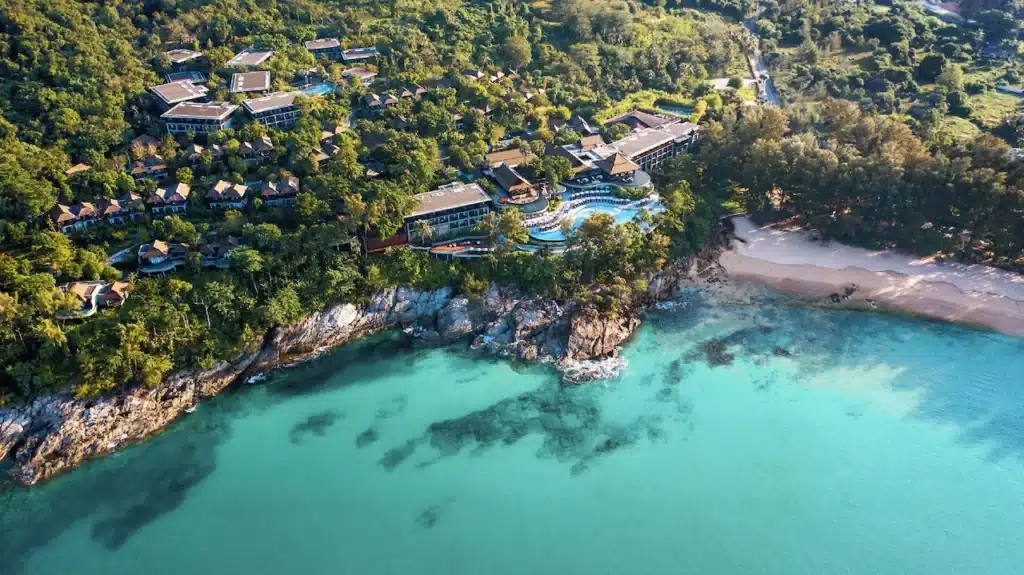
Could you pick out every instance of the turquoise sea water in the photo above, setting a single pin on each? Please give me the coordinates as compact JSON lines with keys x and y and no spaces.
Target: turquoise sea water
{"x":739,"y":439}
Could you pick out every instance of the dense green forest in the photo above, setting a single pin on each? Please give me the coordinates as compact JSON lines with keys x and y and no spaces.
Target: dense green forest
{"x":871,"y":149}
{"x":74,"y":91}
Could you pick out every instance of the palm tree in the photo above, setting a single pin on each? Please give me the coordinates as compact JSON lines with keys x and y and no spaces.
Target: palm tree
{"x":424,"y":230}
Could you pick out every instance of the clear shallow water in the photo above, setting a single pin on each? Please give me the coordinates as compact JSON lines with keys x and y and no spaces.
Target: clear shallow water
{"x":880,"y":445}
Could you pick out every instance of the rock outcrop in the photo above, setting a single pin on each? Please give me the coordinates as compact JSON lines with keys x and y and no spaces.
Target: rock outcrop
{"x":56,"y":433}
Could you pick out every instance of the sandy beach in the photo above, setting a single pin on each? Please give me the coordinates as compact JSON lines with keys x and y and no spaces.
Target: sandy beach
{"x":788,"y":259}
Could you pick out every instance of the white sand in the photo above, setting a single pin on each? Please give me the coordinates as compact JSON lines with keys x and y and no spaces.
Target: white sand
{"x":787,"y":259}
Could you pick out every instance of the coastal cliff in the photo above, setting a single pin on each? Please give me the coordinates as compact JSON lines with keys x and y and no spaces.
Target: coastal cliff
{"x":56,"y":433}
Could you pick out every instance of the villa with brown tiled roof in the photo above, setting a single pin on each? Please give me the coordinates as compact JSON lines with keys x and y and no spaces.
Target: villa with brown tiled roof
{"x":84,"y":215}
{"x":257,"y":151}
{"x":323,"y":155}
{"x":331,"y":129}
{"x":515,"y":185}
{"x":511,"y":158}
{"x":149,"y":168}
{"x":93,"y":295}
{"x":74,"y":218}
{"x":195,"y":154}
{"x":281,"y":192}
{"x":161,"y":257}
{"x":225,"y":194}
{"x":169,"y":200}
{"x":617,"y":165}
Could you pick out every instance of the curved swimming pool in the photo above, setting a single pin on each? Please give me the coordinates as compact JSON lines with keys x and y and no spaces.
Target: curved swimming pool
{"x":622,"y":214}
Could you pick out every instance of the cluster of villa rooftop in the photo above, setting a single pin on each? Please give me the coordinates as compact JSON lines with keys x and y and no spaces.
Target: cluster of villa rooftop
{"x":185,"y":97}
{"x":599,"y":168}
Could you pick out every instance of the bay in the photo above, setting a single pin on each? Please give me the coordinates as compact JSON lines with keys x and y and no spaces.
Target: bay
{"x":738,"y":439}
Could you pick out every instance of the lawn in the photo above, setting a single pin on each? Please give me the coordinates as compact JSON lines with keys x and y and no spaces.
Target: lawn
{"x":991,"y":107}
{"x":958,"y":129}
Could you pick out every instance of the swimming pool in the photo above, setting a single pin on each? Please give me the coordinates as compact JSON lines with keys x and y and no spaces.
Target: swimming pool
{"x":319,"y":89}
{"x":620,"y":213}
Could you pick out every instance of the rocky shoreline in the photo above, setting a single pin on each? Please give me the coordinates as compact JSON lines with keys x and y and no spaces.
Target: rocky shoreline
{"x":56,"y":433}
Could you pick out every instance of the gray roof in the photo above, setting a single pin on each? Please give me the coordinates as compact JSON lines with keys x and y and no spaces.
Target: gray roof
{"x":270,"y":102}
{"x":250,"y":58}
{"x":454,"y":195}
{"x":647,"y":139}
{"x":191,"y":76}
{"x":322,"y":43}
{"x":250,"y":82}
{"x":359,"y":54}
{"x":181,"y":91}
{"x":191,"y":110}
{"x":182,"y":55}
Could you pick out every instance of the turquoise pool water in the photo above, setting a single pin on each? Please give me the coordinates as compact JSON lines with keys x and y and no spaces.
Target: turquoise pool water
{"x":621,"y":215}
{"x":739,"y":439}
{"x":320,"y":89}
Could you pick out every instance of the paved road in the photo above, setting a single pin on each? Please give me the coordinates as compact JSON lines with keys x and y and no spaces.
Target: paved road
{"x":759,"y":68}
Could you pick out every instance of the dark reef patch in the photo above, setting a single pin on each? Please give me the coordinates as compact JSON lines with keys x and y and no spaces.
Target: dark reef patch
{"x":316,"y":424}
{"x":366,"y":438}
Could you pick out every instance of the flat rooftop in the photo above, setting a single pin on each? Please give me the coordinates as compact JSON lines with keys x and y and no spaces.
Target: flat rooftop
{"x":270,"y":102}
{"x":650,"y":138}
{"x":322,"y":44}
{"x":194,"y":77}
{"x":359,"y":54}
{"x":182,"y":55}
{"x":181,"y":91}
{"x":194,"y":111}
{"x":250,"y":82}
{"x":454,"y":195}
{"x":250,"y":58}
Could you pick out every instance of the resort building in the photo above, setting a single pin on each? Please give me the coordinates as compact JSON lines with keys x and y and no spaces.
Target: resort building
{"x":448,"y":210}
{"x":377,"y":103}
{"x":330,"y":130}
{"x":169,"y":200}
{"x":196,"y":154}
{"x":257,"y":151}
{"x":215,"y":253}
{"x":173,"y":93}
{"x":639,"y":120}
{"x":358,"y":54}
{"x":245,"y":82}
{"x":323,"y":155}
{"x":74,"y":218}
{"x":324,"y":47}
{"x":161,"y":257}
{"x":181,"y":57}
{"x":186,"y":76}
{"x":281,"y":192}
{"x":250,"y":58}
{"x":93,"y":295}
{"x":412,"y":92}
{"x":225,"y":195}
{"x":199,"y":118}
{"x":651,"y":147}
{"x":510,"y":158}
{"x":152,"y":167}
{"x":278,"y":110}
{"x":364,"y":75}
{"x":518,"y":188}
